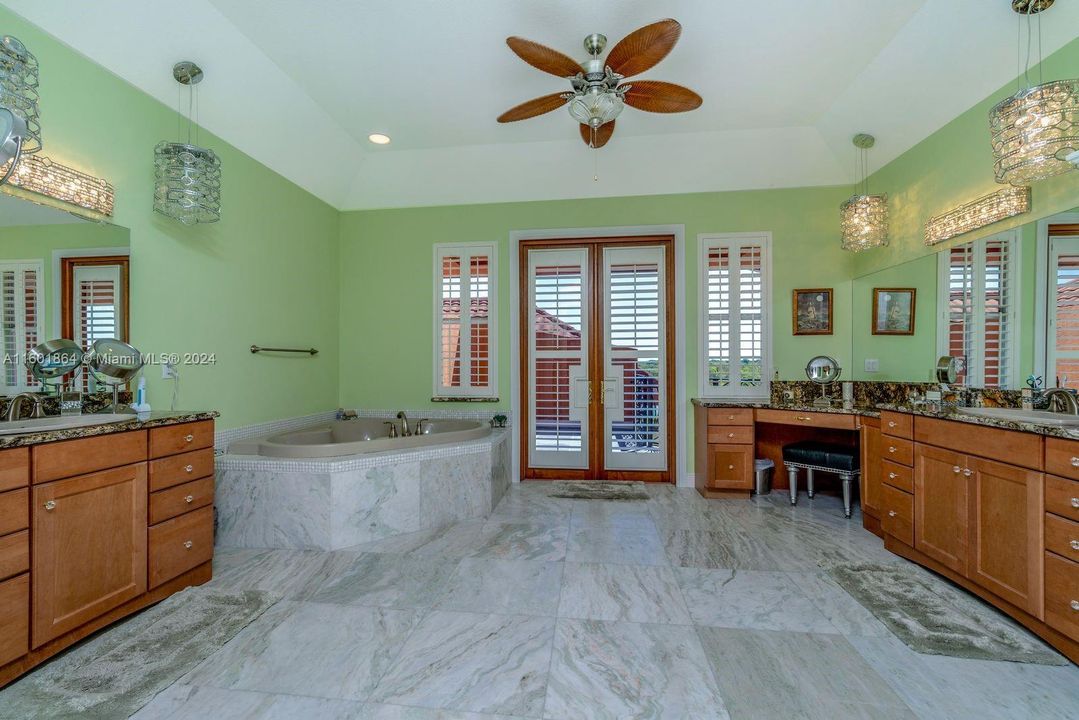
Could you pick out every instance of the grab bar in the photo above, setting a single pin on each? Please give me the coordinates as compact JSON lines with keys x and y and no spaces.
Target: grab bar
{"x":309,"y":351}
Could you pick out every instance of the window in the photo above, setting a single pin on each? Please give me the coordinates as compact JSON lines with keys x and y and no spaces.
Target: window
{"x":735,"y":328}
{"x":93,"y":302}
{"x":1062,"y":348}
{"x":465,"y":320}
{"x":20,"y":308}
{"x":978,"y":299}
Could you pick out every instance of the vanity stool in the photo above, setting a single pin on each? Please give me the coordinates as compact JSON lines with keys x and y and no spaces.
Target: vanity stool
{"x":825,"y":457}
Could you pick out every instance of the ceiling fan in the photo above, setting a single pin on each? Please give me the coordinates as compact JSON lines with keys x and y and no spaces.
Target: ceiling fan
{"x":598,"y":94}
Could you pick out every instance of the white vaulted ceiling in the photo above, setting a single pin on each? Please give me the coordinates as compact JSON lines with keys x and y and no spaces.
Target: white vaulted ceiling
{"x":786,"y":83}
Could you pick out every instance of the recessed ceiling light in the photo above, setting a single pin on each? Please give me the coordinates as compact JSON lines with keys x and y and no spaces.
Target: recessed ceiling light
{"x":379,"y":139}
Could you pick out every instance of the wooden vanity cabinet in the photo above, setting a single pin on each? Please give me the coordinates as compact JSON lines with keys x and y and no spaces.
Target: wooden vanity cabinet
{"x":941,"y":506}
{"x":725,"y":450}
{"x":870,"y":479}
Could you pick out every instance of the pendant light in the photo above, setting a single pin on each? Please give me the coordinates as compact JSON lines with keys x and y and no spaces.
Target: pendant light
{"x":20,"y":121}
{"x":1035,"y":132}
{"x":187,"y":177}
{"x":864,"y":217}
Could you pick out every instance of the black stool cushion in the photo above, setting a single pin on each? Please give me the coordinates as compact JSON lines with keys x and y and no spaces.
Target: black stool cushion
{"x":834,"y":457}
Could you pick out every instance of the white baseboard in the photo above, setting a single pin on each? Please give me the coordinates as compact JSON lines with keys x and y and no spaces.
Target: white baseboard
{"x":688,"y":480}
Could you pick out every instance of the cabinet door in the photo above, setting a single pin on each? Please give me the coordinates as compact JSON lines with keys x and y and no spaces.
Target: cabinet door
{"x":1006,"y":544}
{"x":88,"y":548}
{"x":730,"y":467}
{"x":871,"y":477}
{"x":940,"y":506}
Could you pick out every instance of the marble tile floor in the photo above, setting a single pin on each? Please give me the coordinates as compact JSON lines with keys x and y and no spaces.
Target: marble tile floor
{"x":675,"y":607}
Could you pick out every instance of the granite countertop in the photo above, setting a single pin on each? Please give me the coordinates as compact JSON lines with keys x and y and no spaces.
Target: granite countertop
{"x":1070,"y":433}
{"x":138,"y":422}
{"x":864,"y":411}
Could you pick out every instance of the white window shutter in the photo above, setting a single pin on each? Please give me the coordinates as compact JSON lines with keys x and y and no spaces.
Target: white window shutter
{"x":20,"y":321}
{"x":465,"y":320}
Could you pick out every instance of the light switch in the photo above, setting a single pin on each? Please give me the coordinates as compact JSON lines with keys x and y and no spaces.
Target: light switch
{"x":872,"y":365}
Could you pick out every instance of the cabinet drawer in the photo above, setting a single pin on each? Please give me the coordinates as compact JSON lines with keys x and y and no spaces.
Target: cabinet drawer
{"x":14,"y":468}
{"x":897,"y":450}
{"x":897,"y":424}
{"x":1062,"y":457}
{"x":731,"y":435}
{"x":730,"y":416}
{"x":180,"y":499}
{"x":14,"y":618}
{"x":68,"y":458}
{"x":180,"y":544}
{"x":1062,"y":536}
{"x":179,"y":438}
{"x":731,"y":467}
{"x":897,"y":514}
{"x":1062,"y":595}
{"x":898,"y":476}
{"x":1062,"y":497}
{"x":809,"y":418}
{"x":14,"y":554}
{"x":176,"y":469}
{"x":1007,"y":446}
{"x":14,"y":511}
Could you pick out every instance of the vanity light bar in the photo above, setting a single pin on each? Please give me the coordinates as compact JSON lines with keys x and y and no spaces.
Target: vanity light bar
{"x":43,"y":176}
{"x":986,"y":210}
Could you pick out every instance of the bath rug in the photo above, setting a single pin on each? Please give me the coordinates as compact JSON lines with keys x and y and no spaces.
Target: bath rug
{"x":118,"y":671}
{"x":598,"y":490}
{"x":935,"y":618}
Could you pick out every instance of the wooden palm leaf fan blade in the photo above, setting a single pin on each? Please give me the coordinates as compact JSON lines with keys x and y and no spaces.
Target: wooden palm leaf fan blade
{"x":643,"y":48}
{"x":603,"y":134}
{"x":544,"y":58}
{"x":661,"y":97}
{"x":532,"y":108}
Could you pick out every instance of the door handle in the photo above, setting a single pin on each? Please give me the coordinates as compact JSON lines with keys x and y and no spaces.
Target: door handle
{"x":50,"y":505}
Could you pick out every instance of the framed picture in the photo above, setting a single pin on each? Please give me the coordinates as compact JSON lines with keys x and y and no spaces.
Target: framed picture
{"x":893,"y":311}
{"x":812,"y":311}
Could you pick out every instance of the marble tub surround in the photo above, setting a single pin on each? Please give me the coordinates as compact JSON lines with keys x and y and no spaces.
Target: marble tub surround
{"x":137,"y":422}
{"x":338,"y":502}
{"x":460,"y":631}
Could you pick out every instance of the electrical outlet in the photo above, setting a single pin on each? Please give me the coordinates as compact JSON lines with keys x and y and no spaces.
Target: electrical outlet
{"x":168,"y":371}
{"x":872,"y":365}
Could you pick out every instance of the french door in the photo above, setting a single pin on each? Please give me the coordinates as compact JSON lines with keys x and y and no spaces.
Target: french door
{"x":597,"y":353}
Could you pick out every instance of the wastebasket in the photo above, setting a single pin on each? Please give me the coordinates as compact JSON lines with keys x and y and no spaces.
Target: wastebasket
{"x":763,"y":470}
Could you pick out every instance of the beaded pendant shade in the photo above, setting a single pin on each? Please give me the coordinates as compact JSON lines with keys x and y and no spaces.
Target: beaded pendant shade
{"x":187,"y":177}
{"x":1035,"y":131}
{"x":19,"y":97}
{"x":864,"y":217}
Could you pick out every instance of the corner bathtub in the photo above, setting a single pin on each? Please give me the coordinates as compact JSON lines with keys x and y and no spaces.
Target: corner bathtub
{"x":355,"y":437}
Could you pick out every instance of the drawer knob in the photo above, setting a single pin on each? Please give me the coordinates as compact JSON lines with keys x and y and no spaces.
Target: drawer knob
{"x":968,"y":472}
{"x":891,"y":513}
{"x":1075,"y":502}
{"x":955,"y":468}
{"x":730,"y":417}
{"x":189,"y":499}
{"x":1075,"y":462}
{"x":188,"y":544}
{"x":892,"y":476}
{"x":891,"y":423}
{"x":804,"y":418}
{"x":891,"y":448}
{"x":730,"y":467}
{"x":730,"y":435}
{"x":189,"y":468}
{"x":1075,"y":605}
{"x":50,"y":504}
{"x":1075,"y":544}
{"x":188,"y":438}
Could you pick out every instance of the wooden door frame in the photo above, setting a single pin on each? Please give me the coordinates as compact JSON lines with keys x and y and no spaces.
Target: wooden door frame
{"x":67,"y":282}
{"x":596,"y":352}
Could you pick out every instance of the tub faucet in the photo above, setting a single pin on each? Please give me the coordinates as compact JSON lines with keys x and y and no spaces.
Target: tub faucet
{"x":405,"y":431}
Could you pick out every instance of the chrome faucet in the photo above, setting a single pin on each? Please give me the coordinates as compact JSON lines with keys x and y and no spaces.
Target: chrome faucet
{"x":14,"y":408}
{"x":1061,"y":401}
{"x":405,"y":431}
{"x":420,"y":429}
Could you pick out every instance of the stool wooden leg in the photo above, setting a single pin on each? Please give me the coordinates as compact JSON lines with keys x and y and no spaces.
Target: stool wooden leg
{"x":847,"y":479}
{"x":809,"y":482}
{"x":792,"y":475}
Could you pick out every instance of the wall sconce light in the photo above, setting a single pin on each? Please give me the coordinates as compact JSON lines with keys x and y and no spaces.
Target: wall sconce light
{"x":986,"y":210}
{"x":42,"y":176}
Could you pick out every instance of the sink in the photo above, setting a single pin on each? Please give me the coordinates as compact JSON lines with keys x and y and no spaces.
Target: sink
{"x":1036,"y":417}
{"x":61,"y":422}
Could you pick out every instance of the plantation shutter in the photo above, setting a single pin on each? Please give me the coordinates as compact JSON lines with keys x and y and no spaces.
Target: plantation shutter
{"x":20,"y":310}
{"x":464,"y":344}
{"x":1063,"y":315}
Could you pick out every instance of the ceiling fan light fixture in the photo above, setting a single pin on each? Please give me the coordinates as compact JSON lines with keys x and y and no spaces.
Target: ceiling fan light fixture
{"x":595,"y":107}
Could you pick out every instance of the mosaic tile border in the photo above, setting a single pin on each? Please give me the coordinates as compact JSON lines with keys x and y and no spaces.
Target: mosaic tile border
{"x":362,"y":462}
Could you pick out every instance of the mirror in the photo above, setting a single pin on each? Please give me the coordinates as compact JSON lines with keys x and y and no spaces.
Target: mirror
{"x":823,"y":370}
{"x":61,"y":277}
{"x":1004,"y":306}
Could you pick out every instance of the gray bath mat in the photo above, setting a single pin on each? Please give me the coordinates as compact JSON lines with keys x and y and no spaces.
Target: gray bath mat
{"x":116,"y":673}
{"x":599,"y":490}
{"x":934,"y":618}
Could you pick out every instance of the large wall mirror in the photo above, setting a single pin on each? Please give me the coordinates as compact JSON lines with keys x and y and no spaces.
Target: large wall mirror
{"x":1006,"y":306}
{"x":61,"y":276}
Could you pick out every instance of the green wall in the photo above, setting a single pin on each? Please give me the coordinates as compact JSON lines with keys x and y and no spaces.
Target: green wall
{"x":37,"y":242}
{"x":266,"y":273}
